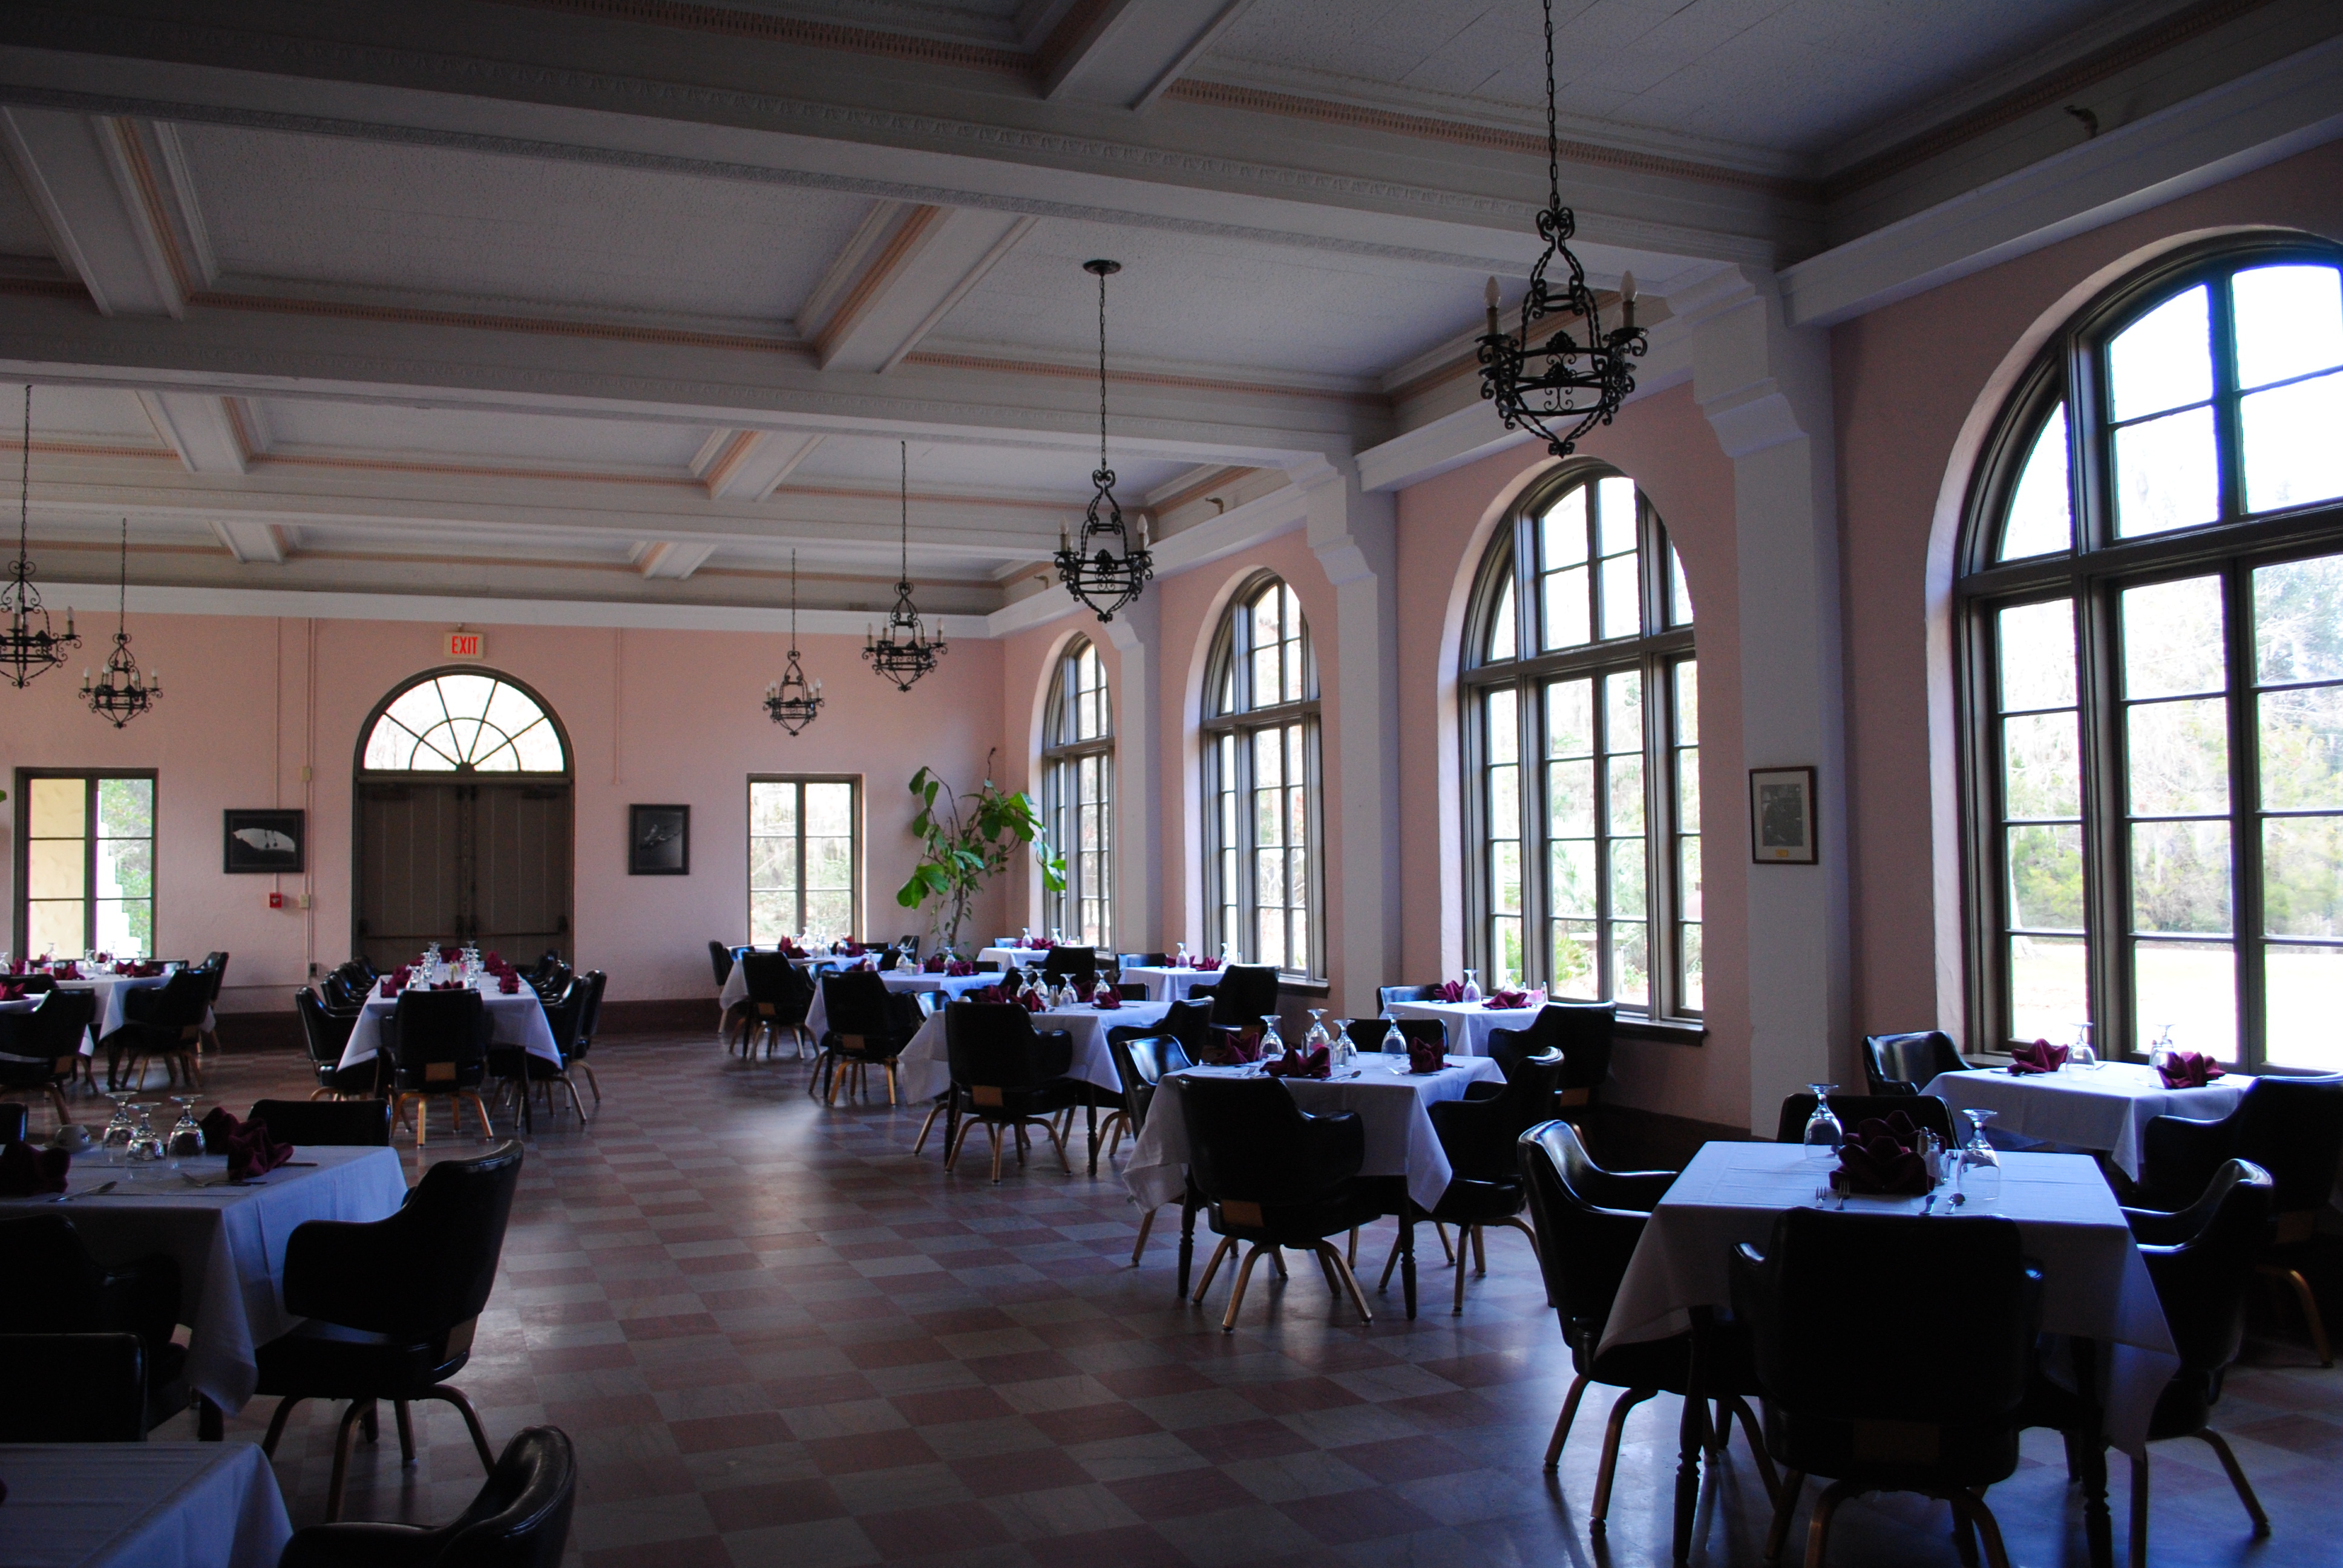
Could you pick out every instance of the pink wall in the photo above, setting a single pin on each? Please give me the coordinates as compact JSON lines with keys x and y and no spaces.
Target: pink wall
{"x":652,"y":716}
{"x":1445,"y":524}
{"x":1918,"y":385}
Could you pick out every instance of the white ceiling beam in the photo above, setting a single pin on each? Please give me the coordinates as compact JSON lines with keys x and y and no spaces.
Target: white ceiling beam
{"x":673,"y":559}
{"x":249,"y":540}
{"x":92,"y":181}
{"x":208,"y":431}
{"x":1127,"y":52}
{"x":903,"y":281}
{"x":753,"y":463}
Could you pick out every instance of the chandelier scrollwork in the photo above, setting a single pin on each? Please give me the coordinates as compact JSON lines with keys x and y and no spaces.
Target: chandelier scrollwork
{"x":793,"y":702}
{"x":29,"y":646}
{"x":905,"y":653}
{"x":1107,"y":566}
{"x":121,"y":693}
{"x":1563,"y":384}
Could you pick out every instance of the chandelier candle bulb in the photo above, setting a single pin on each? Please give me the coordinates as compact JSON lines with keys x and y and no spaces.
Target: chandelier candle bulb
{"x":1493,"y":295}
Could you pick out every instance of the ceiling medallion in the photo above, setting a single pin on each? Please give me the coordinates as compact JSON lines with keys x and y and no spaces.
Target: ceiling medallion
{"x":122,"y":694}
{"x":1107,"y":566}
{"x":904,"y":654}
{"x":28,"y":647}
{"x":792,"y":701}
{"x":1562,"y":387}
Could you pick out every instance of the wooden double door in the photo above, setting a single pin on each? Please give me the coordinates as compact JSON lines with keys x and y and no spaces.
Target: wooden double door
{"x":488,"y":863}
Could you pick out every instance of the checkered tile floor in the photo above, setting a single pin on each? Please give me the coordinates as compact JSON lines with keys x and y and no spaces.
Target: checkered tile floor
{"x":778,"y":1338}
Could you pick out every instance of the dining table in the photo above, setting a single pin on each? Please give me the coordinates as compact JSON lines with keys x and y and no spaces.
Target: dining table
{"x":227,"y":1238}
{"x":1469,"y":1023}
{"x":2104,"y":1107}
{"x":1170,"y":982}
{"x":110,"y":989}
{"x":1015,"y":957}
{"x":924,"y":1070}
{"x":1393,"y":1104}
{"x":140,"y":1506}
{"x":899,"y":984}
{"x":514,"y":1019}
{"x":2096,"y":1285}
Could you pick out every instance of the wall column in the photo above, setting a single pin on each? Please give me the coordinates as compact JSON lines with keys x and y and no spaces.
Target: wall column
{"x":1355,"y":536}
{"x":1136,"y":636}
{"x":1765,"y":388}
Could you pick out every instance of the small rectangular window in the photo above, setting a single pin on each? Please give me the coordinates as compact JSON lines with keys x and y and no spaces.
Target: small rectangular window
{"x":85,"y":863}
{"x":805,"y":859}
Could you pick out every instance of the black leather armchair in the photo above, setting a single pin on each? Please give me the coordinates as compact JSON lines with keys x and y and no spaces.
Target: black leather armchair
{"x":74,"y":1388}
{"x":326,"y":1034}
{"x":57,"y":1286}
{"x":1142,"y":1059}
{"x":1908,"y":1063}
{"x":1272,"y":1175}
{"x":438,"y":1046}
{"x":392,"y":1304}
{"x":519,"y":1520}
{"x":867,"y":1026}
{"x":779,"y":996}
{"x":1486,"y":1188}
{"x":1008,"y":1076}
{"x":1927,"y":1112}
{"x":1079,"y":965}
{"x":166,"y":1021}
{"x":336,"y":1124}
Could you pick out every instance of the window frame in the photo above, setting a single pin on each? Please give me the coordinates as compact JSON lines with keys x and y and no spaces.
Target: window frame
{"x":855,"y":811}
{"x":1510,"y":561}
{"x":21,"y":918}
{"x":1230,"y":664}
{"x":464,"y":771}
{"x":2091,"y":574}
{"x":1062,"y":758}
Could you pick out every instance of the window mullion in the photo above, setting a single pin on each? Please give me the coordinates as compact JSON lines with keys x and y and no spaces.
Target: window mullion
{"x":1659,"y":838}
{"x":89,"y":867}
{"x":1535,"y":813}
{"x":2107,"y":858}
{"x":2247,"y":923}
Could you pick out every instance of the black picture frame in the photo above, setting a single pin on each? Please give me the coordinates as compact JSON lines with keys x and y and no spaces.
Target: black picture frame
{"x":264,"y":843}
{"x":658,"y":840}
{"x":1782,"y":816}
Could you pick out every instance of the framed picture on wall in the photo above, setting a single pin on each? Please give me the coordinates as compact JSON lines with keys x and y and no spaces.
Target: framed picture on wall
{"x":264,"y":843}
{"x":1782,"y":816}
{"x":658,"y":840}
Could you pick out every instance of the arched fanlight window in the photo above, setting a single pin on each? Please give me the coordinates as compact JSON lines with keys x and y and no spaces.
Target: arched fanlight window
{"x":464,"y":721}
{"x":1262,"y":784}
{"x":1078,"y":794}
{"x":2151,"y":670}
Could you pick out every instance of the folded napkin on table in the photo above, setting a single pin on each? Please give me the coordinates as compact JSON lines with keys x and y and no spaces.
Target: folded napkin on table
{"x":1452,"y":991}
{"x":1033,"y":1000}
{"x":390,"y":986}
{"x":1424,"y":1056}
{"x":449,"y":985}
{"x":10,"y":991}
{"x":1039,"y":944}
{"x":2040,"y":1057}
{"x":27,"y":1173}
{"x":448,"y":955}
{"x":957,"y":968}
{"x":508,"y":983}
{"x":791,"y":950}
{"x":1106,"y":995}
{"x":67,"y":971}
{"x":1234,"y":1046}
{"x":1316,"y":1063}
{"x":1882,"y":1165}
{"x":851,"y":949}
{"x":1205,"y":966}
{"x":1506,"y":999}
{"x":1894,"y":1125}
{"x":250,"y":1151}
{"x":2188,"y":1070}
{"x":935,"y":964}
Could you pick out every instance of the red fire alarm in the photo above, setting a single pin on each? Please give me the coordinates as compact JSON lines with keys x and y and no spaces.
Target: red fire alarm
{"x":275,"y":901}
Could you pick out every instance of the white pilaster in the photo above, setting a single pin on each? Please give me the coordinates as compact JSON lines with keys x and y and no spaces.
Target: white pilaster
{"x":1355,"y":535}
{"x":1136,"y":637}
{"x":1765,"y":388}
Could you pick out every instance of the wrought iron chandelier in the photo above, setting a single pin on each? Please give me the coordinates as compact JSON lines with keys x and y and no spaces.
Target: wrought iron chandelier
{"x":1562,"y":386}
{"x":122,"y":694}
{"x":793,"y":702}
{"x":28,"y":647}
{"x":1107,"y":566}
{"x":905,"y":653}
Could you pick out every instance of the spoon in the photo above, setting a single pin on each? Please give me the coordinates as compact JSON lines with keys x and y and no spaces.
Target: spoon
{"x":94,"y":1192}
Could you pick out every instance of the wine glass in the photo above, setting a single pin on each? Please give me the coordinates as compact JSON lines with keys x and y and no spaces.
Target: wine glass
{"x":1980,"y":1164}
{"x":1180,"y":959}
{"x":1472,"y":985}
{"x":145,"y":1143}
{"x":2080,"y":1055}
{"x":1318,"y":1036}
{"x":186,"y":1140}
{"x":1273,"y":1045}
{"x":1824,"y":1134}
{"x":120,"y":1126}
{"x":2159,"y":1055}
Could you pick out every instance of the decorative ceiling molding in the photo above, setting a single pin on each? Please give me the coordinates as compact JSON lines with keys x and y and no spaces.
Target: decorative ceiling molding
{"x":1143,"y":379}
{"x":732,"y":22}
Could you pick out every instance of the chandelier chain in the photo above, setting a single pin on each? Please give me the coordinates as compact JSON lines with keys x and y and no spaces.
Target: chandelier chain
{"x":1552,"y":134}
{"x":1101,"y":277}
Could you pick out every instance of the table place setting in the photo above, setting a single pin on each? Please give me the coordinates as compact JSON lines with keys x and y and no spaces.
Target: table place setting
{"x":924,"y":1070}
{"x":1470,"y":1017}
{"x":2102,"y":1107}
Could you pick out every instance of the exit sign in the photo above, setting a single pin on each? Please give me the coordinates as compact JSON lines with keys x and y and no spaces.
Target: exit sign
{"x":468,"y":645}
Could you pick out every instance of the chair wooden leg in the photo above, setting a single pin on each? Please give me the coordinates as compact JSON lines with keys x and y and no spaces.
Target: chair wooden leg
{"x":277,"y":1422}
{"x":1146,"y":1223}
{"x":890,"y":1082}
{"x":1785,"y":1508}
{"x":2319,"y":1346}
{"x":1212,"y":1267}
{"x":592,"y":1084}
{"x":921,"y":1140}
{"x":1063,"y":1163}
{"x":406,"y":1433}
{"x":2138,"y":1512}
{"x":341,"y":1470}
{"x":1610,"y":1466}
{"x":1343,"y":1271}
{"x":995,"y":1128}
{"x":454,"y":1396}
{"x":1465,"y":1236}
{"x":955,"y":1142}
{"x":1440,"y":1230}
{"x":1562,"y":1424}
{"x":1236,"y":1297}
{"x":1972,"y":1510}
{"x":1749,"y":1429}
{"x":488,"y":1128}
{"x":2245,"y":1489}
{"x":1818,"y":1523}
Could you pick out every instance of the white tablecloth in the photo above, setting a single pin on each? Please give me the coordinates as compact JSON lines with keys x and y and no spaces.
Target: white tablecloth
{"x":110,"y":991}
{"x":2105,"y":1108}
{"x":926,"y":1069}
{"x":736,"y":984}
{"x":1469,"y":1023}
{"x":2093,"y":1281}
{"x":140,"y":1506}
{"x":1393,"y":1104}
{"x":229,"y":1242}
{"x":1167,"y":984}
{"x":1016,"y":958}
{"x":516,"y":1020}
{"x":818,"y":1015}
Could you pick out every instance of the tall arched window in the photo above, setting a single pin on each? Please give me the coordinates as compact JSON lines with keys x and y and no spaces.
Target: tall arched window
{"x":1078,"y":795}
{"x":2151,"y":665}
{"x":1582,"y":750}
{"x":463,"y":721}
{"x":1262,"y":784}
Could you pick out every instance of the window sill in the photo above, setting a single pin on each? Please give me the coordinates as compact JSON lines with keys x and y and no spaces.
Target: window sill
{"x":1289,"y":986}
{"x":1670,"y":1031}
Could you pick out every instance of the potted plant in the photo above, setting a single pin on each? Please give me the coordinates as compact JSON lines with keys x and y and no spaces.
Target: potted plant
{"x":969,"y":840}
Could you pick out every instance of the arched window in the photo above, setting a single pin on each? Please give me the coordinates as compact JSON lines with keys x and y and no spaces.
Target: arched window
{"x":2151,"y":669}
{"x":1262,"y":784}
{"x":1582,"y":750}
{"x":463,"y":721}
{"x":1078,"y":795}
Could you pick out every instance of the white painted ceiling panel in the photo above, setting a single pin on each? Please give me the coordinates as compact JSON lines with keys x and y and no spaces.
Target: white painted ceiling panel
{"x":396,"y":433}
{"x":996,"y":470}
{"x":83,"y":412}
{"x":21,"y":233}
{"x":326,"y":210}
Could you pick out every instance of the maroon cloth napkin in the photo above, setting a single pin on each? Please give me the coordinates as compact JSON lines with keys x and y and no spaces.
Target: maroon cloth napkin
{"x":390,"y":986}
{"x":1896,"y":1125}
{"x":1452,"y":991}
{"x":250,"y":1151}
{"x":67,"y":970}
{"x":1039,"y":944}
{"x":1317,"y":1063}
{"x":11,"y":991}
{"x":934,"y":966}
{"x":1205,"y":966}
{"x":957,"y":968}
{"x":450,"y":955}
{"x":1032,"y":1000}
{"x":449,"y":985}
{"x":1236,"y":1048}
{"x":1507,"y":999}
{"x":27,"y":1173}
{"x":1881,"y":1165}
{"x":851,"y":949}
{"x":508,"y":983}
{"x":2190,"y":1069}
{"x":1423,"y":1056}
{"x":1106,"y":997}
{"x":2040,"y":1057}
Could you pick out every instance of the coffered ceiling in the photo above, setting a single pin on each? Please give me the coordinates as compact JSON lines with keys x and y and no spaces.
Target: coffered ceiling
{"x":625,"y":300}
